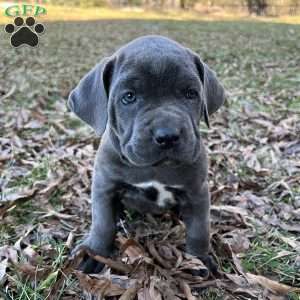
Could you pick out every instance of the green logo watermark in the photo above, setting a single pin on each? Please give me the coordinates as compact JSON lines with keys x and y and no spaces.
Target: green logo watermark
{"x":24,"y":30}
{"x":25,"y":10}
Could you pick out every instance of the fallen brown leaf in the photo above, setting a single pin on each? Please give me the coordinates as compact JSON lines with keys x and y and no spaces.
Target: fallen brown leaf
{"x":271,"y":285}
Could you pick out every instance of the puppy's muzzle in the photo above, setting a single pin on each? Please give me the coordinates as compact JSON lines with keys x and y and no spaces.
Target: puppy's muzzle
{"x":166,"y":137}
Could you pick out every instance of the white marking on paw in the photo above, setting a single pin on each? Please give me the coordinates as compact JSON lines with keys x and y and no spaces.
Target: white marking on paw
{"x":164,"y":196}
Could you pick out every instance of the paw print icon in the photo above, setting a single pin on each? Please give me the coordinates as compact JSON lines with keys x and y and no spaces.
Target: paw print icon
{"x":24,"y":33}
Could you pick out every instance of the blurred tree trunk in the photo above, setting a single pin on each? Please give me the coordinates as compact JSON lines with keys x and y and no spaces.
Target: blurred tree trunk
{"x":183,"y":4}
{"x":258,"y":7}
{"x":261,"y":7}
{"x":294,"y":8}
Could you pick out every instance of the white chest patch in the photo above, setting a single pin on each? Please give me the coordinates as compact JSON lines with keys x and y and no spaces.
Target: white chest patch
{"x":164,"y":196}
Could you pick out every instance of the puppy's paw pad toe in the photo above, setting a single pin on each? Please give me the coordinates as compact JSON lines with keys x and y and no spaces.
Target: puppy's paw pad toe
{"x":210,"y":264}
{"x":90,"y":266}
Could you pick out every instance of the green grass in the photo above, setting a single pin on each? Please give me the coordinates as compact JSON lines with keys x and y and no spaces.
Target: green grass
{"x":212,"y":294}
{"x":25,"y":290}
{"x":39,"y":172}
{"x":271,"y":256}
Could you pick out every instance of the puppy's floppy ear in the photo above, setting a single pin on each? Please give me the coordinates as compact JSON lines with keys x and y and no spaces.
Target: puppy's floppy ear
{"x":214,"y":93}
{"x":89,"y":99}
{"x":213,"y":89}
{"x":204,"y":113}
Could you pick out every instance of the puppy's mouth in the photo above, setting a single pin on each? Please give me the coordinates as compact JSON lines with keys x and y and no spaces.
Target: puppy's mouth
{"x":167,"y":162}
{"x":169,"y":159}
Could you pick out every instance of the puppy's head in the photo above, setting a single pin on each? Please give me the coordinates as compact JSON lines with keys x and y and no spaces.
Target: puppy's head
{"x":151,"y":95}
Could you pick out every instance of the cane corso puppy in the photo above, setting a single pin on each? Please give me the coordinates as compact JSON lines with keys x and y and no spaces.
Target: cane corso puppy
{"x":146,"y":102}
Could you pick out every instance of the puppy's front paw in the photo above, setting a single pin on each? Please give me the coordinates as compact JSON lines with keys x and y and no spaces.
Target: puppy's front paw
{"x":87,"y":265}
{"x":210,"y":264}
{"x":211,"y":267}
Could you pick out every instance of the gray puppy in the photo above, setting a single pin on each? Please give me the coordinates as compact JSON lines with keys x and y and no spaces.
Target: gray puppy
{"x":146,"y":101}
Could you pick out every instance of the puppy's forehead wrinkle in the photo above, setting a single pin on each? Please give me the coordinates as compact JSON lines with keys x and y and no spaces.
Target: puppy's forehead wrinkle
{"x":165,"y":63}
{"x":159,"y":77}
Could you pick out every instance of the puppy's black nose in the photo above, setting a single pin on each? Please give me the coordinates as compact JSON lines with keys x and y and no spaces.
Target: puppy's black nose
{"x":166,"y":137}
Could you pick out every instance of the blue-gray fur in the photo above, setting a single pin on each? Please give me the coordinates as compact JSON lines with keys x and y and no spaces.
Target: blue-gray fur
{"x":158,"y":70}
{"x":89,"y":99}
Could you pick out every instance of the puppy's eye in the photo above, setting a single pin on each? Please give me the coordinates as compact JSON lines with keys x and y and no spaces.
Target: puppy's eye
{"x":128,"y":98}
{"x":191,"y":94}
